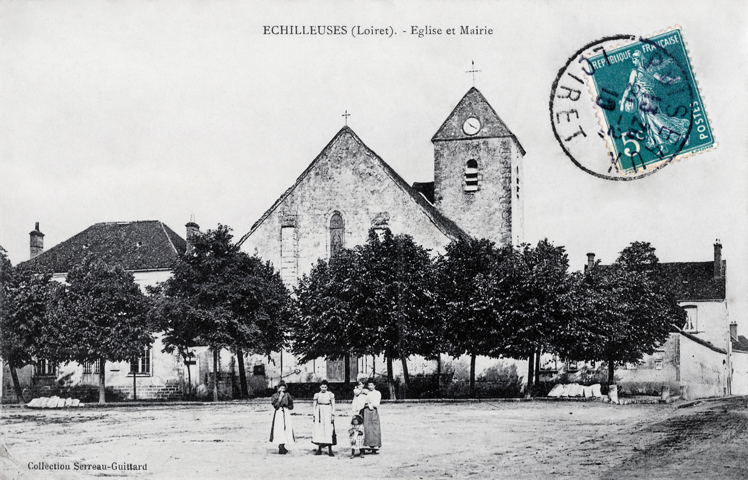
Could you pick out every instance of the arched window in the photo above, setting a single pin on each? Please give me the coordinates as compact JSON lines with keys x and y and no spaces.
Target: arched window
{"x":471,"y":176}
{"x":337,"y":233}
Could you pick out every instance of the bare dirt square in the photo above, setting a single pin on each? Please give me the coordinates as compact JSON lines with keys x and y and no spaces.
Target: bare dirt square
{"x":510,"y":440}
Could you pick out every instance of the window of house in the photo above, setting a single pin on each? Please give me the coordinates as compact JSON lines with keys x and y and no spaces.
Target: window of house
{"x":142,"y":365}
{"x":92,"y":367}
{"x":658,"y":364}
{"x":471,"y":176}
{"x":692,"y":320}
{"x":44,"y":368}
{"x":337,"y":234}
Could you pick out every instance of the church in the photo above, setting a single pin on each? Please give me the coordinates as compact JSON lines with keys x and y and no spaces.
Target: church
{"x":349,"y":189}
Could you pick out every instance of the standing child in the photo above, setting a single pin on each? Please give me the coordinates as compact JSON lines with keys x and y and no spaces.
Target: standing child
{"x":356,"y":434}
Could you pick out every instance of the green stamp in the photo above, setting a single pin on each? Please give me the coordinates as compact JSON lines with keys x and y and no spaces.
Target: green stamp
{"x":648,"y":103}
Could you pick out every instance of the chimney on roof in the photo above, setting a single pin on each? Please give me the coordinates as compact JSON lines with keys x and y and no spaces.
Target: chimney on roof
{"x":718,"y":260}
{"x":192,"y":229}
{"x":590,"y":261}
{"x":734,"y":331}
{"x":36,"y":241}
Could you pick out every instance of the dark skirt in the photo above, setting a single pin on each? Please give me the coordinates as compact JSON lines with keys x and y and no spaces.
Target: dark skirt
{"x":372,"y":432}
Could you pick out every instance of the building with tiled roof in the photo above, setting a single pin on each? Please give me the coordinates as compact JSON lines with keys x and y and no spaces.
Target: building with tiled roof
{"x":695,"y":361}
{"x":148,"y":250}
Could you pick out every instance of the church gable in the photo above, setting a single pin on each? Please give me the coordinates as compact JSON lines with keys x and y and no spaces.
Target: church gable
{"x":344,"y":192}
{"x":458,"y":124}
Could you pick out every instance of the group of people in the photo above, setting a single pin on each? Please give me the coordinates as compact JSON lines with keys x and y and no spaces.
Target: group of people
{"x":364,"y":432}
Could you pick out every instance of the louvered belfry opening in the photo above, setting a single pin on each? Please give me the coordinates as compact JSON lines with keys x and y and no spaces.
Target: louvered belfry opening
{"x":471,"y":176}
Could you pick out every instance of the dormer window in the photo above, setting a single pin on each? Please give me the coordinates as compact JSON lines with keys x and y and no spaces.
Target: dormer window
{"x":692,"y":319}
{"x":471,"y":176}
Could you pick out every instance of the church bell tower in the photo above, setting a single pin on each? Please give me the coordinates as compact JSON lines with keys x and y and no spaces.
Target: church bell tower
{"x":478,"y":172}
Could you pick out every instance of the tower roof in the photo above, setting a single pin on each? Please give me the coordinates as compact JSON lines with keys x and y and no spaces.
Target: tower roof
{"x":475,"y":105}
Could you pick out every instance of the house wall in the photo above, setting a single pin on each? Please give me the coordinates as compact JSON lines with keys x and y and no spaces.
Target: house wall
{"x":739,"y":373}
{"x":713,"y":322}
{"x":646,"y":378}
{"x":348,"y":180}
{"x":166,"y":380}
{"x":703,"y":371}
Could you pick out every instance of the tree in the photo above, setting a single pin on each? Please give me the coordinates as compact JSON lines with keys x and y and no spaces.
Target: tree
{"x":26,"y":334}
{"x":624,"y":310}
{"x":469,"y":324}
{"x":527,"y":292}
{"x":396,"y":302}
{"x":324,"y":323}
{"x":376,"y":298}
{"x":103,"y":316}
{"x":224,"y":298}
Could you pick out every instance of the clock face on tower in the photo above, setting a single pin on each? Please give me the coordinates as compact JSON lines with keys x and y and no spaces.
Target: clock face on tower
{"x":471,"y":126}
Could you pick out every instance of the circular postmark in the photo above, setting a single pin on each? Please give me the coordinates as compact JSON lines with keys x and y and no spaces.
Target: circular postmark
{"x":623,"y":108}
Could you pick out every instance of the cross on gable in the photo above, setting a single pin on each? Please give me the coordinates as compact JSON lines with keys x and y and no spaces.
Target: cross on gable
{"x":346,"y":115}
{"x":473,"y":71}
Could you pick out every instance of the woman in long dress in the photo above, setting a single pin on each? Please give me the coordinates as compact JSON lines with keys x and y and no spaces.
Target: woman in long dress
{"x":642,"y":97}
{"x":372,"y":430}
{"x":281,"y":432}
{"x":324,"y":424}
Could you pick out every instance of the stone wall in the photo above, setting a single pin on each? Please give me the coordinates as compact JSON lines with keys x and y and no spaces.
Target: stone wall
{"x":486,"y":213}
{"x":346,"y":178}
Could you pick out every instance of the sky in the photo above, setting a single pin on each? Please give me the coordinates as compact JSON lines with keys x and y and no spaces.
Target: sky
{"x":156,"y":110}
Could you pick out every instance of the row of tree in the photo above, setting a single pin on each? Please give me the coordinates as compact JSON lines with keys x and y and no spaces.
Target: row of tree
{"x":387,"y":297}
{"x":390,"y":297}
{"x":217,"y":296}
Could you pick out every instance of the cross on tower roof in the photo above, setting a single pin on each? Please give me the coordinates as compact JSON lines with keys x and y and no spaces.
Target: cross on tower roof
{"x":473,"y":71}
{"x":346,"y":115}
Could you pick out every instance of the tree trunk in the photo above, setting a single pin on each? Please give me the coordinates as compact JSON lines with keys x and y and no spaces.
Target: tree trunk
{"x":530,"y":375}
{"x":347,"y":368}
{"x":406,"y":376}
{"x":242,"y":373}
{"x":439,"y":372}
{"x":215,"y":374}
{"x":390,"y":380}
{"x":611,"y":372}
{"x":537,"y":367}
{"x":134,"y":381}
{"x":472,"y":375}
{"x":16,"y":384}
{"x":373,"y":366}
{"x":102,"y":381}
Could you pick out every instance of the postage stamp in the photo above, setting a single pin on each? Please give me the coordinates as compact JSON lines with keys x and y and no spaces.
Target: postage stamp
{"x":643,"y":108}
{"x":649,"y":103}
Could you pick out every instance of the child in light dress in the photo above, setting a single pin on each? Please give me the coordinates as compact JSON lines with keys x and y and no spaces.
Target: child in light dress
{"x":356,"y":434}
